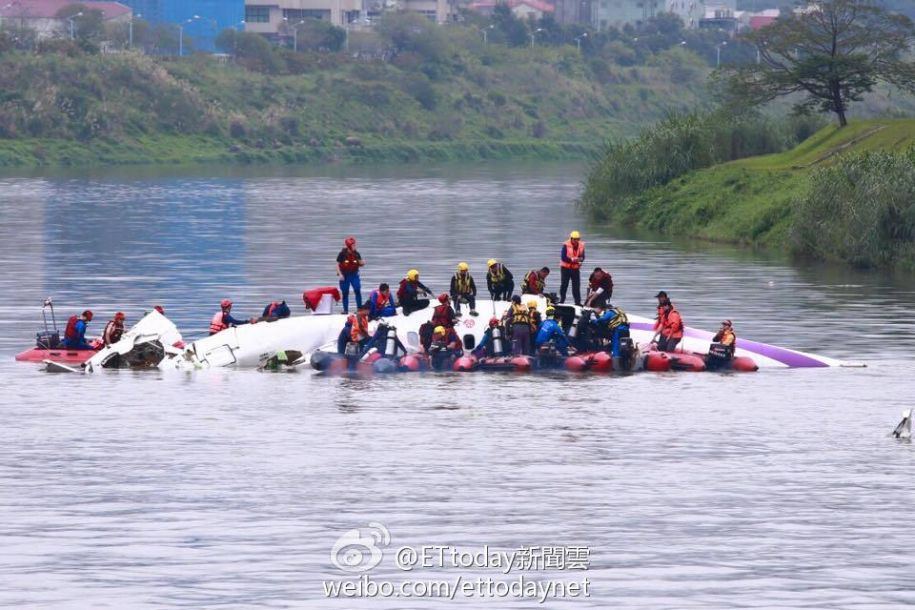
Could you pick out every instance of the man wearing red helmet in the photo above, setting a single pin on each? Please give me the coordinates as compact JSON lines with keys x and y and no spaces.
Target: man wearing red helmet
{"x":348,"y":263}
{"x":443,"y":314}
{"x":493,"y":341}
{"x":223,"y":319}
{"x":75,"y":333}
{"x":114,"y":330}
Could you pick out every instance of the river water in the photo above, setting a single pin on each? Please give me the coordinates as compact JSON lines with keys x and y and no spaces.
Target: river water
{"x":229,"y":489}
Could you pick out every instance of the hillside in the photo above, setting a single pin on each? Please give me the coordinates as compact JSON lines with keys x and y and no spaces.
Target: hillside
{"x":767,"y":200}
{"x":128,"y":108}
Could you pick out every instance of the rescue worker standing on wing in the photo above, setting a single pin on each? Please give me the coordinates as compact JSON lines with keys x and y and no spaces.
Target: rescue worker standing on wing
{"x":75,"y":333}
{"x":519,"y":320}
{"x":381,"y":303}
{"x":114,"y":330}
{"x":499,"y":280}
{"x":612,"y":323}
{"x":572,"y":256}
{"x":348,"y":263}
{"x":535,"y":281}
{"x":223,"y":319}
{"x":410,"y":290}
{"x":551,"y":331}
{"x":463,"y":288}
{"x":600,"y":288}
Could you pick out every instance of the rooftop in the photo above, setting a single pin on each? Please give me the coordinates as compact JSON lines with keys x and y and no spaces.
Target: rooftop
{"x":48,"y":9}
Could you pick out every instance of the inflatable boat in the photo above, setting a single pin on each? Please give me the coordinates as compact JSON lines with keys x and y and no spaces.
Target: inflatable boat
{"x":155,"y":341}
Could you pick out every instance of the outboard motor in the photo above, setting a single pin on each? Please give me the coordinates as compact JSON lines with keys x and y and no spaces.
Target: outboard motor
{"x":498,"y":345}
{"x":627,"y":350}
{"x":719,"y":356}
{"x":578,"y":333}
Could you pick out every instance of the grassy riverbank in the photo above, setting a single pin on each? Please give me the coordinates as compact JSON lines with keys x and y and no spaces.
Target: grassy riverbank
{"x":770,"y":201}
{"x":545,"y":103}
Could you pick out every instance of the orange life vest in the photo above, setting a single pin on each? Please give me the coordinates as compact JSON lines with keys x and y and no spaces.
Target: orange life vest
{"x":726,"y":337}
{"x":673,"y":325}
{"x":573,"y":252}
{"x":382,"y":300}
{"x":360,"y":328}
{"x":217,"y":324}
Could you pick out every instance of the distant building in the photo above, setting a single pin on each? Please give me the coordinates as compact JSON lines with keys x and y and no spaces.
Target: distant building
{"x":40,"y":16}
{"x":268,"y":17}
{"x":523,"y":9}
{"x":720,"y":17}
{"x":618,"y":13}
{"x":202,"y":20}
{"x":569,"y":12}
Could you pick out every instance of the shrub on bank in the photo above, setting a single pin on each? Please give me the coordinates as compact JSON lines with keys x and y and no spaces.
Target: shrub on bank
{"x":860,"y":210}
{"x":676,"y":146}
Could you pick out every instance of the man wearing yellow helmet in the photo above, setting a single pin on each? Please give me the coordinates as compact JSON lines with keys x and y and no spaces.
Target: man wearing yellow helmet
{"x":572,"y":256}
{"x":499,"y":280}
{"x":463,"y":289}
{"x":410,"y":291}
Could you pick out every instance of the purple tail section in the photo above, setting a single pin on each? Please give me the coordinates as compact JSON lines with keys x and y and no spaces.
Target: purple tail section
{"x":787,"y":357}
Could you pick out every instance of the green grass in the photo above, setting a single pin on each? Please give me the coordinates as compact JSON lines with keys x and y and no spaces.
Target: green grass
{"x":751,"y":201}
{"x":57,"y":110}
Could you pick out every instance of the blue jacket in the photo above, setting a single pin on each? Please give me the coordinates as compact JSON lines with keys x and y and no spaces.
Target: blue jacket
{"x":281,"y":311}
{"x":387,"y":310}
{"x":550,"y":330}
{"x":605,"y":318}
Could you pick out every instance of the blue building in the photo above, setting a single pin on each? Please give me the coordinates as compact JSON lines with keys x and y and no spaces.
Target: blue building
{"x":202,"y":20}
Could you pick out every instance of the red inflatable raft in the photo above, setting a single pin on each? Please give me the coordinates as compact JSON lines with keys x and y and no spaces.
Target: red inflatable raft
{"x":62,"y":355}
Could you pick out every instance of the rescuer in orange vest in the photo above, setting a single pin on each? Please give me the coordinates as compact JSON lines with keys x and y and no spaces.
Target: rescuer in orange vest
{"x":572,"y":256}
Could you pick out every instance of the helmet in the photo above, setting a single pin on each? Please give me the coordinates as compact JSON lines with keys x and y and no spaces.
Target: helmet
{"x":661,"y":294}
{"x":463,"y":267}
{"x":550,"y":312}
{"x":160,"y":309}
{"x":87,"y":314}
{"x":120,"y":316}
{"x":226,"y":303}
{"x":349,"y":242}
{"x":493,"y":322}
{"x":532,"y":303}
{"x":491,"y":262}
{"x":574,"y":235}
{"x":412,"y":274}
{"x":439,"y":329}
{"x":727,"y":323}
{"x":443,"y":298}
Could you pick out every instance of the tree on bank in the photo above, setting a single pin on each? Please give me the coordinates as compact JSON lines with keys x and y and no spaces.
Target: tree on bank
{"x":831,"y":53}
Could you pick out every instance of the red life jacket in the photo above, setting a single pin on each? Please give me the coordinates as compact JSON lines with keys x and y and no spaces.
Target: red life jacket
{"x":443,"y":315}
{"x":272,"y":309}
{"x":70,"y":332}
{"x":217,"y":324}
{"x":573,"y":252}
{"x":350,"y":262}
{"x":113,"y":332}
